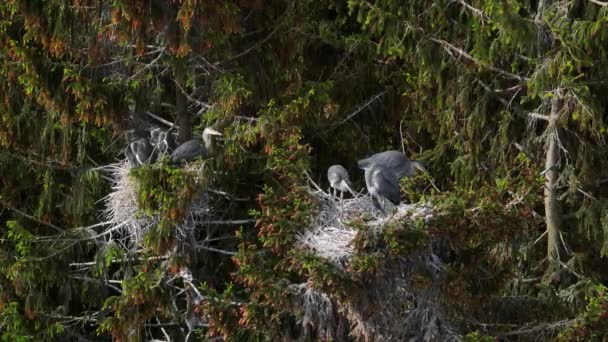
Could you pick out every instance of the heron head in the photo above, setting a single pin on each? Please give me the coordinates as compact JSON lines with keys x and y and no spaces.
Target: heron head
{"x":210,"y":131}
{"x":156,"y":135}
{"x":207,"y":133}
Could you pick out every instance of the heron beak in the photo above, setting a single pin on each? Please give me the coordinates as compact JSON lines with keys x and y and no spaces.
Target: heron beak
{"x":213,"y":132}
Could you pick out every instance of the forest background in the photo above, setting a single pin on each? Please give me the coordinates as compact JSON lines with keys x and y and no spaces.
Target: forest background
{"x":504,"y":100}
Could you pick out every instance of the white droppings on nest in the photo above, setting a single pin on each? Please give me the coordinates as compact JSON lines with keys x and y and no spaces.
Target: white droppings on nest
{"x":128,"y":224}
{"x":122,"y":208}
{"x":330,"y":235}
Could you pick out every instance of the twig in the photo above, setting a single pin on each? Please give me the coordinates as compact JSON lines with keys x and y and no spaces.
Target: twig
{"x":211,"y":249}
{"x":259,"y":43}
{"x":149,"y":65}
{"x":99,"y":281}
{"x":227,"y":195}
{"x":357,"y":111}
{"x":204,"y":105}
{"x":540,"y":237}
{"x":116,"y":261}
{"x":230,"y":222}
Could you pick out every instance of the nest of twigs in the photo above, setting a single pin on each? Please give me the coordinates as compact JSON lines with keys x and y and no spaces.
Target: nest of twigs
{"x":330,"y":235}
{"x":127,"y":223}
{"x":400,"y":303}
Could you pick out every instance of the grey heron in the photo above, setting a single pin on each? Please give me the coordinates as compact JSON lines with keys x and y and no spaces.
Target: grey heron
{"x":339,"y":180}
{"x":194,"y":148}
{"x":142,"y":150}
{"x":395,"y":161}
{"x":382,"y":183}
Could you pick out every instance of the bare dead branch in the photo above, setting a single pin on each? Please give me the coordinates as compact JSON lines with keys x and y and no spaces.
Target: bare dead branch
{"x":357,"y":111}
{"x":216,"y":250}
{"x":597,"y":2}
{"x":156,"y":117}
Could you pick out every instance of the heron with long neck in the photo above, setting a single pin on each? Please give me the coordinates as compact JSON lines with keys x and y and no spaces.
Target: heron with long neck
{"x":339,"y":180}
{"x":191,"y":149}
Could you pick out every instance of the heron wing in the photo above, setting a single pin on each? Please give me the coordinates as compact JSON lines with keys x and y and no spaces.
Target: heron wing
{"x":187,"y":151}
{"x":396,"y":161}
{"x":388,"y":185}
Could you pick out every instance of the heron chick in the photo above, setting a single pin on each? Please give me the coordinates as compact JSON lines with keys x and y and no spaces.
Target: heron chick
{"x":339,"y":180}
{"x":191,"y":149}
{"x":142,"y":150}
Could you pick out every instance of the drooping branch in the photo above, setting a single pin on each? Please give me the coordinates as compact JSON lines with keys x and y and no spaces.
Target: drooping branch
{"x":476,"y":11}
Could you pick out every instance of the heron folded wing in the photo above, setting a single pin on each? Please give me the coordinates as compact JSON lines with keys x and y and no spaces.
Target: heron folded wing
{"x":388,"y":185}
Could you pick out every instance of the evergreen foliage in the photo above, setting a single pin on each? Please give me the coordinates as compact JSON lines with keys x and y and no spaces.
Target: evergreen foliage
{"x":502,"y":99}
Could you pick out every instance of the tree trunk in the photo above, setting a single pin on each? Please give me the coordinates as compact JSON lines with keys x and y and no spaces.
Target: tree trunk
{"x":552,"y":208}
{"x":184,"y":123}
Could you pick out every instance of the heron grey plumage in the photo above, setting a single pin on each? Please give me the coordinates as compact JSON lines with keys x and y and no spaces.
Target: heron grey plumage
{"x":382,"y":174}
{"x":382,"y":183}
{"x":339,"y":180}
{"x":395,"y":161}
{"x":191,"y":149}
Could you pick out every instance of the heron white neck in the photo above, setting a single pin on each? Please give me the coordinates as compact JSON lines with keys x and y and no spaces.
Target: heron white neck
{"x":207,"y":141}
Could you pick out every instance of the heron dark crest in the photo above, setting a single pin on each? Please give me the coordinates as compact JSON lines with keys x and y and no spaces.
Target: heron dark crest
{"x":339,"y":180}
{"x":191,"y":149}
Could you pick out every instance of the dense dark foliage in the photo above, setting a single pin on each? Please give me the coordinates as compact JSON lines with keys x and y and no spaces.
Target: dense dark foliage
{"x":502,"y":99}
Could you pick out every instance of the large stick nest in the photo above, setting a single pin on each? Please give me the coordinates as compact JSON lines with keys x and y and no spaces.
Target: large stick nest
{"x":390,"y":305}
{"x":127,"y":223}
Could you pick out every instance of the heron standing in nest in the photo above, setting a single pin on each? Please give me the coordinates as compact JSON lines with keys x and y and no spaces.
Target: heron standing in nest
{"x":339,"y":180}
{"x":382,"y":174}
{"x":191,"y":149}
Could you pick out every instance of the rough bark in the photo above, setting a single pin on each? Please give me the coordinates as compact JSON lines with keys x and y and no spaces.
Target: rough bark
{"x":552,"y":207}
{"x":184,"y":123}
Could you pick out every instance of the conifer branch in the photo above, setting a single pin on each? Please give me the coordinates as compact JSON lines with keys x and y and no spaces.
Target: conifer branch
{"x":476,"y":11}
{"x":539,"y":328}
{"x":451,"y":49}
{"x":32,"y":218}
